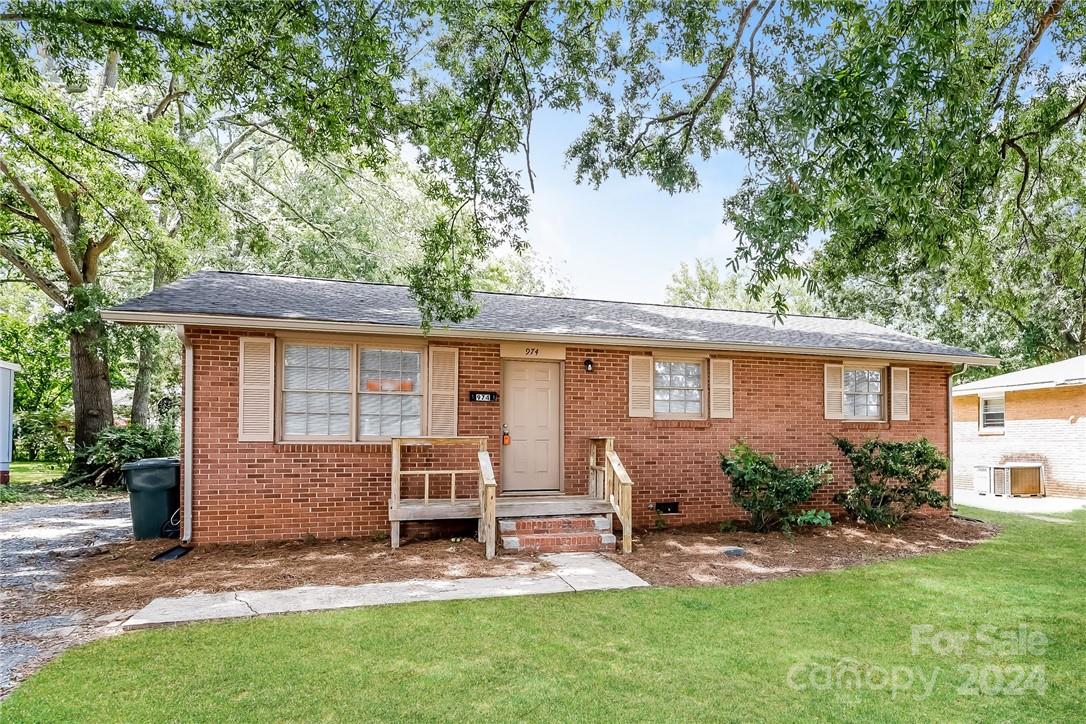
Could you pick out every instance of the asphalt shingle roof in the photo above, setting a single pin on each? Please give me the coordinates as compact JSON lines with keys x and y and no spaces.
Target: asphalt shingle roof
{"x":233,"y":294}
{"x":1068,"y":372}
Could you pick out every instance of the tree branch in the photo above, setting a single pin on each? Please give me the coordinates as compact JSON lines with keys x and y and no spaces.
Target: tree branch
{"x":1014,"y":72}
{"x":56,"y":234}
{"x":37,"y":278}
{"x":109,"y":23}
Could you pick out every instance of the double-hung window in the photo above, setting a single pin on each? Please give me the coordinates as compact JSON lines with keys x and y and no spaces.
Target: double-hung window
{"x":317,"y":391}
{"x":678,"y":388}
{"x":390,"y":393}
{"x":992,"y":413}
{"x":350,"y":392}
{"x":863,"y":393}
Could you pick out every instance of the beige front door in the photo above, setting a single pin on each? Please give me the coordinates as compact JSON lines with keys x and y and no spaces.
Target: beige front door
{"x":532,"y":412}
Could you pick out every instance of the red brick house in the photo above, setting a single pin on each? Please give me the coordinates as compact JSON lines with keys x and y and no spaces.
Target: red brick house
{"x":320,"y":408}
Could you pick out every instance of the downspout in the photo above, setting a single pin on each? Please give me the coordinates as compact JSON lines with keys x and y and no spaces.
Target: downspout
{"x":186,"y":482}
{"x":950,"y":434}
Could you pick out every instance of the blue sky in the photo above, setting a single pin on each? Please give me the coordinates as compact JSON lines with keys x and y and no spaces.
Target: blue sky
{"x":624,"y":240}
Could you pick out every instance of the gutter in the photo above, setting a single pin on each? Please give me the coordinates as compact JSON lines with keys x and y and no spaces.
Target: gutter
{"x":310,"y":325}
{"x":186,"y":464}
{"x":950,"y":434}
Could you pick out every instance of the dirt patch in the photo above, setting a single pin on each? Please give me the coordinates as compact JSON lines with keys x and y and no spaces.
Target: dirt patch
{"x":694,"y":556}
{"x":124,"y":577}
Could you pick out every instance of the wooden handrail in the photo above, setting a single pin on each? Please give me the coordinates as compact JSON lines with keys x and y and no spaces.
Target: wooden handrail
{"x":621,"y":499}
{"x":488,"y":504}
{"x":609,"y":482}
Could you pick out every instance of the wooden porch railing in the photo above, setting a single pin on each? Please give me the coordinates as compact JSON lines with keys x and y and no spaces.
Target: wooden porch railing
{"x":609,"y":481}
{"x":428,"y":508}
{"x":488,"y":504}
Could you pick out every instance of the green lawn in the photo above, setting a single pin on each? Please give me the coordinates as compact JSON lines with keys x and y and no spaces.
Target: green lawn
{"x":708,"y":653}
{"x":32,"y":482}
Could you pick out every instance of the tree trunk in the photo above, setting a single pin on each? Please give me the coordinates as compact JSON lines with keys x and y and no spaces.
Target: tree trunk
{"x":141,"y":388}
{"x":90,"y":388}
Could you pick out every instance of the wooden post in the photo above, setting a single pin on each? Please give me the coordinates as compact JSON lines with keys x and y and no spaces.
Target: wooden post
{"x":488,"y":503}
{"x":593,"y":479}
{"x":395,"y":534}
{"x":627,"y":518}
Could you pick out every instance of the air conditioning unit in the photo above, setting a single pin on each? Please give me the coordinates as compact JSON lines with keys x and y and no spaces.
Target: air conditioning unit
{"x":982,"y":479}
{"x":1020,"y":479}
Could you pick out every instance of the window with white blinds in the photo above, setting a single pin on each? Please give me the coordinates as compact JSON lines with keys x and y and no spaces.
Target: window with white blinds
{"x":390,"y":392}
{"x":345,"y":391}
{"x":992,"y":413}
{"x":316,"y":391}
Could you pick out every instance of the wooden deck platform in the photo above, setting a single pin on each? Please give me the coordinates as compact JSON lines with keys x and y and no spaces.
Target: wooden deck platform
{"x":511,"y":506}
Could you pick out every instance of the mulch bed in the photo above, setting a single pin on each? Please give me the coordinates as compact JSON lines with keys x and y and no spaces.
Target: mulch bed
{"x":124,"y":577}
{"x":693,"y":556}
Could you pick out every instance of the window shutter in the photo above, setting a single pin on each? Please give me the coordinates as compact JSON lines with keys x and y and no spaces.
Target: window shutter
{"x":256,"y":389}
{"x":640,"y":386}
{"x":720,"y":391}
{"x":834,"y":392}
{"x":899,"y":393}
{"x":443,"y":390}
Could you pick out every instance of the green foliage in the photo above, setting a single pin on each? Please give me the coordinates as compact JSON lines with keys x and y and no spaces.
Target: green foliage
{"x":44,"y":434}
{"x":772,"y":494}
{"x":816,"y":518}
{"x":703,"y":286}
{"x":890,"y":479}
{"x":119,"y":445}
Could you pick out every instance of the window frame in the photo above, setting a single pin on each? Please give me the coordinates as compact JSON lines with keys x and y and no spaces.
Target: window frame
{"x":359,"y":393}
{"x":991,"y":429}
{"x":355,"y":345}
{"x":685,"y":359}
{"x":884,"y":379}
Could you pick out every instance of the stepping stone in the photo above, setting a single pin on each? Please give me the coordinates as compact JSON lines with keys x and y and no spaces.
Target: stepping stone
{"x":734,"y":551}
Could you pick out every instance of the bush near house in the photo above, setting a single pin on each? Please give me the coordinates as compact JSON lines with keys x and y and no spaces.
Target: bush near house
{"x":890,"y":479}
{"x":119,"y":445}
{"x":773,"y":494}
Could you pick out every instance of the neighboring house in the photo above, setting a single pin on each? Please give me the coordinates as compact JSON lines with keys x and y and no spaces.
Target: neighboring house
{"x":1023,"y":433}
{"x":7,"y":414}
{"x":297,"y":392}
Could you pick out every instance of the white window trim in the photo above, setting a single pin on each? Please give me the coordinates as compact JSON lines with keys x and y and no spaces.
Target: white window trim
{"x":884,"y":373}
{"x":991,"y":429}
{"x":281,"y":374}
{"x":353,"y":438}
{"x":704,"y":362}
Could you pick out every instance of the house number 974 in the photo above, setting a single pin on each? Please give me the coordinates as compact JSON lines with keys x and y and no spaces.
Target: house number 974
{"x":531,"y":351}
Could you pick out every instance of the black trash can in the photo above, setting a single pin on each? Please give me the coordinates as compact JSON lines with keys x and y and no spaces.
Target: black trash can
{"x":153,"y":492}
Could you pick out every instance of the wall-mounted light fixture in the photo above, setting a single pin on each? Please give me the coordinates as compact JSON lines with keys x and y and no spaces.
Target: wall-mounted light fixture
{"x":589,"y":365}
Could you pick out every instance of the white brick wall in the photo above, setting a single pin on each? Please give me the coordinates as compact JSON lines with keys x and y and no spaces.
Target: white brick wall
{"x":1058,"y":444}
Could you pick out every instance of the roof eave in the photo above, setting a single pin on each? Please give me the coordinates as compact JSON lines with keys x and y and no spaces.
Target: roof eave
{"x":960,"y":392}
{"x":309,"y":325}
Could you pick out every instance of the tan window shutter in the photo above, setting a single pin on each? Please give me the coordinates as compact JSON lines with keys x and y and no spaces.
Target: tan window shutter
{"x":443,"y":390}
{"x":899,"y":393}
{"x":256,"y":389}
{"x":720,"y":392}
{"x":640,"y":386}
{"x":834,"y":392}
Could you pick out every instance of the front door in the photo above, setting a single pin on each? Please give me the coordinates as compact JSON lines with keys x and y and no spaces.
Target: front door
{"x":532,"y":411}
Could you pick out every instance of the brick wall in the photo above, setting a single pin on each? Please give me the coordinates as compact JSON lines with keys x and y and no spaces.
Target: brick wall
{"x":778,"y":407}
{"x":1042,"y":426}
{"x":266,"y":491}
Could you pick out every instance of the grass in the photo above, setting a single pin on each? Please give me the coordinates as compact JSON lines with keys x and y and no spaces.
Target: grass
{"x":33,"y":482}
{"x":666,"y":654}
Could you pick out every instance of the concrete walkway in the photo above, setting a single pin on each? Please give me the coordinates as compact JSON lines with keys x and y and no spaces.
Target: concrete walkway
{"x":1007,"y":504}
{"x":572,"y":572}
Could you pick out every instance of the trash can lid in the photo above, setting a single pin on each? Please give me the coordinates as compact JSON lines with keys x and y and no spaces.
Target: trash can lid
{"x":151,"y":463}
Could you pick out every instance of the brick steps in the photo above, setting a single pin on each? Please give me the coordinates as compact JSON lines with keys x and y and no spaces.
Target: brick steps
{"x":557,"y":534}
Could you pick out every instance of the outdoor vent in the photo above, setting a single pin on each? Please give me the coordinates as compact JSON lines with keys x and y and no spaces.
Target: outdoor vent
{"x":672,"y":506}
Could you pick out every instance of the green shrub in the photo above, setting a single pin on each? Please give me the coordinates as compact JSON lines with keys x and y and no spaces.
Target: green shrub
{"x":43,"y":435}
{"x":890,"y":479}
{"x":116,"y":446}
{"x":770,"y":493}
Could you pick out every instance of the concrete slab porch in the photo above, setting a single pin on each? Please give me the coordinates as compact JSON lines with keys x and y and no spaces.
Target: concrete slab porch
{"x":572,"y":572}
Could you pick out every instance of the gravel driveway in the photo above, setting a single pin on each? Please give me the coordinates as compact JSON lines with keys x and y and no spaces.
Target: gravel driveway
{"x":37,"y":544}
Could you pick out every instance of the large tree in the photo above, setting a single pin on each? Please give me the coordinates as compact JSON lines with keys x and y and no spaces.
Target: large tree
{"x":703,"y":285}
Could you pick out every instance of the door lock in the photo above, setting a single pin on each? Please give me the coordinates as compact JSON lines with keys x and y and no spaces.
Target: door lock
{"x":505,"y":435}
